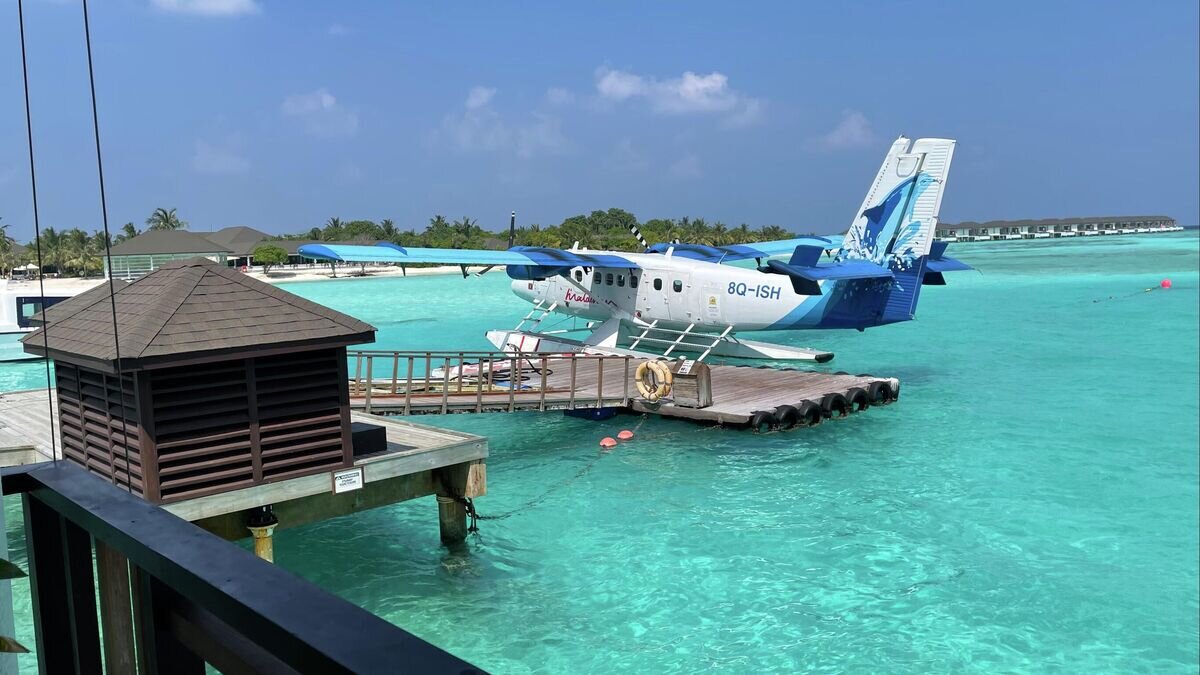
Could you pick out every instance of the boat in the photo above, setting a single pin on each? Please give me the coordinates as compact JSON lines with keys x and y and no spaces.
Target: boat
{"x":19,"y":303}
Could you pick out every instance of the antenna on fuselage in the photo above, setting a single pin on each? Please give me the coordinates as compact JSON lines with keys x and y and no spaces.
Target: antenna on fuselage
{"x":512,"y":229}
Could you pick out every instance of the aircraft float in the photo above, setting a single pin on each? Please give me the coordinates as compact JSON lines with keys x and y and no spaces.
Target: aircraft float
{"x":690,"y":298}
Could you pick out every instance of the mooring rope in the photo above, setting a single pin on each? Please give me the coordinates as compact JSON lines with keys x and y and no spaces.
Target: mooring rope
{"x":37,"y":235}
{"x":536,"y":501}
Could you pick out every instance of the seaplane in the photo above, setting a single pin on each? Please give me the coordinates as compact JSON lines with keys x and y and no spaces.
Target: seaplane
{"x":686,"y":298}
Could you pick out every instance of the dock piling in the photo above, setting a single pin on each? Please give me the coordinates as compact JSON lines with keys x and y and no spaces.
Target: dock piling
{"x":262,"y":524}
{"x":452,"y":519}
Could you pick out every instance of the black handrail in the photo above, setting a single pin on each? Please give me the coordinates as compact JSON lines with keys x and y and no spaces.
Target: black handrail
{"x":194,"y":591}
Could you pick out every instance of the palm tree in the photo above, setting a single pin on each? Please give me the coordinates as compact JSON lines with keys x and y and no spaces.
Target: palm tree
{"x":79,"y":253}
{"x":128,"y":231}
{"x":333,"y":230}
{"x":165,"y":219}
{"x":7,"y":257}
{"x":52,"y":247}
{"x":387,"y":229}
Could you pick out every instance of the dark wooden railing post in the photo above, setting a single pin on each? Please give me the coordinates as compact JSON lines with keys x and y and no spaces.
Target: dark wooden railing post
{"x":63,"y":592}
{"x":158,"y":651}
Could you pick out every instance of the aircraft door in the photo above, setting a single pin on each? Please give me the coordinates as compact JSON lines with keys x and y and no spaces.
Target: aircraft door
{"x":680,"y":297}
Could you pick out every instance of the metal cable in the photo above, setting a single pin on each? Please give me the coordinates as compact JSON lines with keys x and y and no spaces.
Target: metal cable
{"x":112,"y":294}
{"x":37,"y":234}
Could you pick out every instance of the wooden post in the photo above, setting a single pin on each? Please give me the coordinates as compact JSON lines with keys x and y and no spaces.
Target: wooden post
{"x":116,"y":610}
{"x":261,"y":524}
{"x":452,"y":520}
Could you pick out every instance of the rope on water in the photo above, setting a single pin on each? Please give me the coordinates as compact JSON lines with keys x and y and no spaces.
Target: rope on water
{"x":475,"y":516}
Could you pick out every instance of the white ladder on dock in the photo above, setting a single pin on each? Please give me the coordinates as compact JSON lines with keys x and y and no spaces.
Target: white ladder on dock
{"x":688,"y":338}
{"x":539,"y":306}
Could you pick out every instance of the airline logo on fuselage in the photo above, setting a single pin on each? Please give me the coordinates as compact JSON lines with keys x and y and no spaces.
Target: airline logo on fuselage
{"x":572,"y":296}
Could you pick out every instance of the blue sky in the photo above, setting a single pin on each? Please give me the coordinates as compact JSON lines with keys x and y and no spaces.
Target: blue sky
{"x":281,"y":114}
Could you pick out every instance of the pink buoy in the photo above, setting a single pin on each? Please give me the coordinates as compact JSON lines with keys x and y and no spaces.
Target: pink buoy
{"x":608,"y":442}
{"x":1166,"y":283}
{"x":625,"y":435}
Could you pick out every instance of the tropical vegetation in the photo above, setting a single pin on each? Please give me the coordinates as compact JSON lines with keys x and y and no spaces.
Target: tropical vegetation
{"x":77,"y":252}
{"x":269,"y":255}
{"x":609,"y":230}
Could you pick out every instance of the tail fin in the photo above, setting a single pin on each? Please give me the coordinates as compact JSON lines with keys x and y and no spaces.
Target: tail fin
{"x":899,"y":213}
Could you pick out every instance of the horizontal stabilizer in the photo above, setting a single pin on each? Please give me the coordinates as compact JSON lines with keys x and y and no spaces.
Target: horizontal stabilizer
{"x":947,"y":265}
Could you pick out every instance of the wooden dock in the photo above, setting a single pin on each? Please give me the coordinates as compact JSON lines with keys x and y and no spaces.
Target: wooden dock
{"x":409,"y":468}
{"x":415,"y":383}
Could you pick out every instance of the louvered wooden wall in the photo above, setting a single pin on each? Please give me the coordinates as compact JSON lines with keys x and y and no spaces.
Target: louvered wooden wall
{"x":98,"y":423}
{"x":211,"y":428}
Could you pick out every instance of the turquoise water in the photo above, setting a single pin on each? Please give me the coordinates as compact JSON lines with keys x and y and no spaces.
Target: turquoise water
{"x":1030,"y":504}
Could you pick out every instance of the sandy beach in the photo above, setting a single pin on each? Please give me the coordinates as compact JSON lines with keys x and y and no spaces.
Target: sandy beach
{"x":76,"y":285}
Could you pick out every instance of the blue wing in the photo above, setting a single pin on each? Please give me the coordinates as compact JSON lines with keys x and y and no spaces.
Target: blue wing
{"x":762,"y":249}
{"x":531,"y":256}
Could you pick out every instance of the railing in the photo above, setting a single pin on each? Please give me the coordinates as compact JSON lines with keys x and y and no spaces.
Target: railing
{"x":174,"y":597}
{"x":476,"y":381}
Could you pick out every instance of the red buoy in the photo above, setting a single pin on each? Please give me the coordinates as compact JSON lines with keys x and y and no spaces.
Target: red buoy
{"x":608,"y":442}
{"x":625,"y":435}
{"x":1166,"y":283}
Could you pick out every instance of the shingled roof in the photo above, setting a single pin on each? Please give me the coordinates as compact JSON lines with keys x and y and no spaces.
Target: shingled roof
{"x":167,"y":242}
{"x":189,"y":310}
{"x":73,"y":304}
{"x":239,"y":240}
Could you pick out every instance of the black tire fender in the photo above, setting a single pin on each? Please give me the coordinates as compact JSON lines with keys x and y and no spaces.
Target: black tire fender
{"x":835,"y":405}
{"x":879,"y":393}
{"x":810,"y":414}
{"x":787,"y":416}
{"x":859,"y":401}
{"x":761,"y":421}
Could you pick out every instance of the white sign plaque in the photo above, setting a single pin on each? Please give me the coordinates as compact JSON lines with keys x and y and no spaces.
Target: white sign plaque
{"x":345,"y":481}
{"x":686,"y":368}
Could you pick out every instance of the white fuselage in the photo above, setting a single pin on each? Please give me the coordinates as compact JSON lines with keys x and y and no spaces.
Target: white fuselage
{"x":672,"y":291}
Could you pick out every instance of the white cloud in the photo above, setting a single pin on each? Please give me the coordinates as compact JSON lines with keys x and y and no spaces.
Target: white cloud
{"x":208,"y":7}
{"x":338,"y":30}
{"x":478,"y":127}
{"x":854,"y":131}
{"x":479,"y":97}
{"x":218,"y":160}
{"x":321,"y":114}
{"x":686,"y":168}
{"x":688,"y":94}
{"x":559,"y":96}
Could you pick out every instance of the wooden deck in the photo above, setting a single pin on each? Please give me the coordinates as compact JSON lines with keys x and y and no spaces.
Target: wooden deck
{"x":406,"y":470}
{"x":423,"y":383}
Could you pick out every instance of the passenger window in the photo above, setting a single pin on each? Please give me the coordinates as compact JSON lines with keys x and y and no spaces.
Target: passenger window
{"x":677,"y":285}
{"x":658,"y":284}
{"x":596,"y":279}
{"x":621,"y":280}
{"x":633,"y":281}
{"x":578,"y":275}
{"x":608,"y":279}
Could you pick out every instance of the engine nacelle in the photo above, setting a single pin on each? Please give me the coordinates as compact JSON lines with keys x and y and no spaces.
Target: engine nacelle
{"x":534,"y":272}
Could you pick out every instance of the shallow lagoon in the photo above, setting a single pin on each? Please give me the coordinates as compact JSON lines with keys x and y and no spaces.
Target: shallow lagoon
{"x":1030,"y":504}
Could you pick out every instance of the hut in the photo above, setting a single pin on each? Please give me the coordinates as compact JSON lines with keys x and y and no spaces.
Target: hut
{"x":220,"y":382}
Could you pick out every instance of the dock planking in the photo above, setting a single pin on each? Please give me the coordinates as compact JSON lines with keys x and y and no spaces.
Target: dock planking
{"x":568,"y":381}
